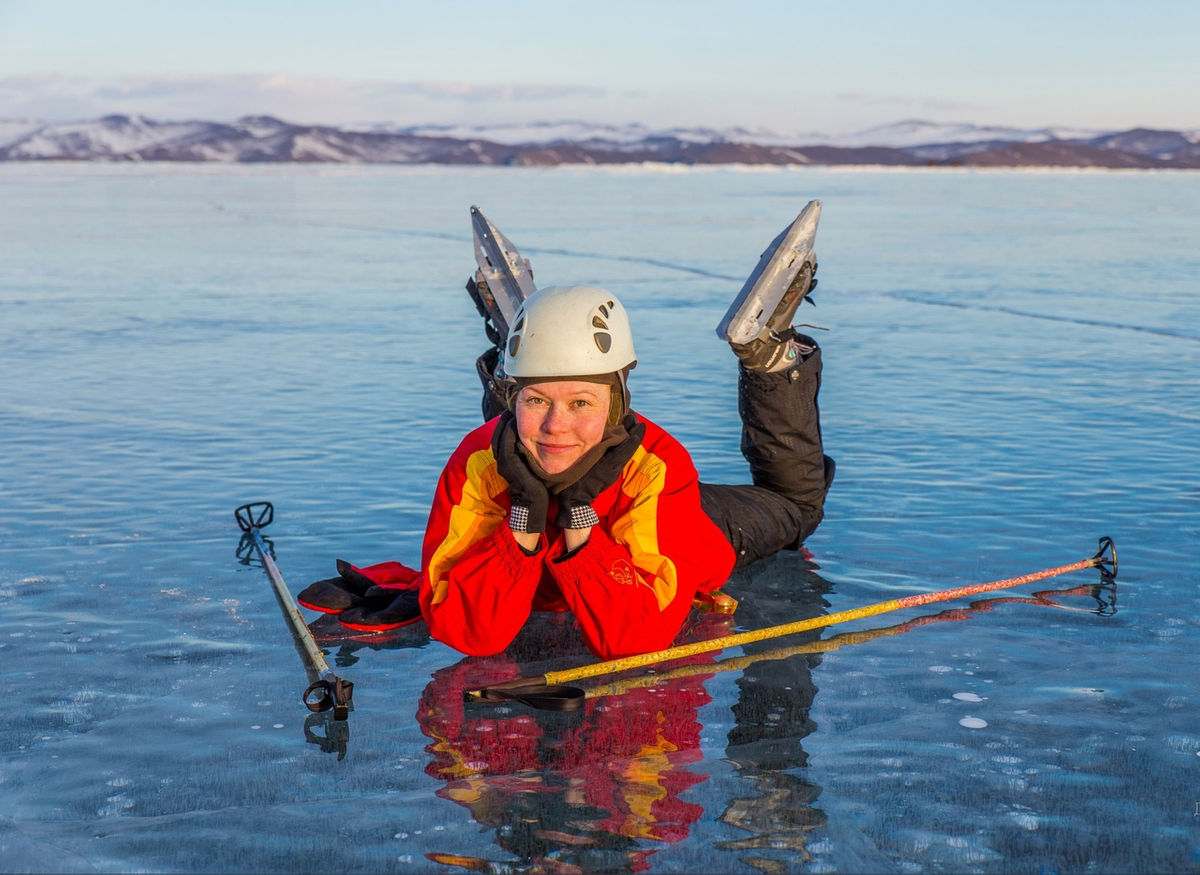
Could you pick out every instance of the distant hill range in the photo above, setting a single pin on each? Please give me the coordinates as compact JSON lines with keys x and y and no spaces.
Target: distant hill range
{"x":258,"y":139}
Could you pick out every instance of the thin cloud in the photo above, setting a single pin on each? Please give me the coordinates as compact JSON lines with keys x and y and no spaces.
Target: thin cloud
{"x":471,"y":91}
{"x":301,"y":98}
{"x":898,"y":102}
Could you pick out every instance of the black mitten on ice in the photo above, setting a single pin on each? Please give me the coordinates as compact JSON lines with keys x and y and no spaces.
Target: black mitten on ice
{"x":530,"y":500}
{"x":336,"y":594}
{"x":382,"y":609}
{"x":575,"y":501}
{"x":329,"y":596}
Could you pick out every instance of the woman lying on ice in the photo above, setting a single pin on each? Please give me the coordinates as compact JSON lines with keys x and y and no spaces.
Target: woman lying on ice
{"x":567,"y":499}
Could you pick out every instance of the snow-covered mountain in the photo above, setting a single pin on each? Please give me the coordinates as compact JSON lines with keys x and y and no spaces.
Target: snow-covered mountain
{"x":267,"y":139}
{"x":914,"y":133}
{"x":583,"y":133}
{"x":898,"y":135}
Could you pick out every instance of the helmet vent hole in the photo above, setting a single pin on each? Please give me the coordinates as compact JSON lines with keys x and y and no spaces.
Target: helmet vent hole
{"x":520,"y":322}
{"x":597,"y":322}
{"x":514,"y":344}
{"x":604,"y":310}
{"x":603,"y":340}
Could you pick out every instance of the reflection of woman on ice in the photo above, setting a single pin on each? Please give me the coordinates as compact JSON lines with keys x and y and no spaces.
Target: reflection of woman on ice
{"x":566,"y":499}
{"x":569,"y":500}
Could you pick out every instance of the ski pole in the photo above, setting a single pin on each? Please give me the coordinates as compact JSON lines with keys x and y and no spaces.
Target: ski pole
{"x":828,"y":645}
{"x":552,"y":685}
{"x":334,"y":692}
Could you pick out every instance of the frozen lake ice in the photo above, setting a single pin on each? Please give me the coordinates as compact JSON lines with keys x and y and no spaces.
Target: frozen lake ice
{"x":1011,"y":372}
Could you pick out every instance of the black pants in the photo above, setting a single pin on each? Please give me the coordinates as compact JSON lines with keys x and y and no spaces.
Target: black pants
{"x":781,"y":439}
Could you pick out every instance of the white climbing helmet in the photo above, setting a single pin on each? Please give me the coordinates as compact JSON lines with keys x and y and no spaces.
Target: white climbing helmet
{"x":569,"y":331}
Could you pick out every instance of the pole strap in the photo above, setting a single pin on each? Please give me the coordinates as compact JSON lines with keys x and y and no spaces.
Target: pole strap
{"x":335,"y":693}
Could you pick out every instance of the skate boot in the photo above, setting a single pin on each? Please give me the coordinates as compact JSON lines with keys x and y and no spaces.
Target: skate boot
{"x":485,"y":302}
{"x":779,"y":345}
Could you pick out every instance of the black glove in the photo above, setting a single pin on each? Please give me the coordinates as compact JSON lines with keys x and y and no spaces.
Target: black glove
{"x":353,"y":579}
{"x":352,"y":585}
{"x":329,"y":596}
{"x":382,"y":609}
{"x":336,"y":594}
{"x":530,"y":500}
{"x":575,"y":501}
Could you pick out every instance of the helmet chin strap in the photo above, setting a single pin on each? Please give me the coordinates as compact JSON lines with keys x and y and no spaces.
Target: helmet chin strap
{"x":623,"y":385}
{"x":623,"y":379}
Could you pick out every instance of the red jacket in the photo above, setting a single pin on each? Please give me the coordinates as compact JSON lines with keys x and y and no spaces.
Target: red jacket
{"x":630,"y":587}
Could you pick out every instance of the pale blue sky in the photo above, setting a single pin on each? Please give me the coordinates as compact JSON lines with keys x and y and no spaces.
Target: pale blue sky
{"x":832,"y":67}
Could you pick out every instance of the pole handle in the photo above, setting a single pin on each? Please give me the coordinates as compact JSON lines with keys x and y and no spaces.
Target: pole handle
{"x":255,"y":515}
{"x":1107,"y":564}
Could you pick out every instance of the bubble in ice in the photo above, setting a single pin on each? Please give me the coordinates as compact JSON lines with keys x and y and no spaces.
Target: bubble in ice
{"x":1026,"y":821}
{"x":968,"y":697}
{"x":972,"y":723}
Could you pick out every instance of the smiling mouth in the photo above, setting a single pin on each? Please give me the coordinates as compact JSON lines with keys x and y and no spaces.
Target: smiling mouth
{"x":556,"y":448}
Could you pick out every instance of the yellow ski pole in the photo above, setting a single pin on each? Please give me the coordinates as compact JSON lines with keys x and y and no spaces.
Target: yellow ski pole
{"x":550,"y":690}
{"x":828,"y":645}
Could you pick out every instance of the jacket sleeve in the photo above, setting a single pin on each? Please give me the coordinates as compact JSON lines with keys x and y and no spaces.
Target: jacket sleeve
{"x":477,"y":584}
{"x":632,"y":584}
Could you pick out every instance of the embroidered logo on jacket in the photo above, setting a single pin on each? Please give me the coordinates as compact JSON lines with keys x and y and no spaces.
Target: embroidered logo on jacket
{"x":622,"y":572}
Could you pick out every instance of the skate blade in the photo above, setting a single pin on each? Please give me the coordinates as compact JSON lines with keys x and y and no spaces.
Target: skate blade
{"x":508,"y":276}
{"x":751,"y":310}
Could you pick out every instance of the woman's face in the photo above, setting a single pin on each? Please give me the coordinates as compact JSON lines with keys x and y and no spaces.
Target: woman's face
{"x":559,"y":421}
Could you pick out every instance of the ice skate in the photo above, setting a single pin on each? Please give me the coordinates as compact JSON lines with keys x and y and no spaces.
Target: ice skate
{"x":504,"y":278}
{"x":759,"y":318}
